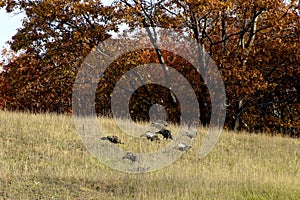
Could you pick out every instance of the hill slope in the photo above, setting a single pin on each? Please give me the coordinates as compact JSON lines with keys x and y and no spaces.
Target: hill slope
{"x":42,"y":157}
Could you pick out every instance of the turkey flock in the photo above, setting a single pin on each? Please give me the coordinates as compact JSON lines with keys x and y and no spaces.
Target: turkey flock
{"x":153,"y":136}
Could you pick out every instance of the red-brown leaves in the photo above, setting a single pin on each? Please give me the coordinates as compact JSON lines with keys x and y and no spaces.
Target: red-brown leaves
{"x":255,"y":44}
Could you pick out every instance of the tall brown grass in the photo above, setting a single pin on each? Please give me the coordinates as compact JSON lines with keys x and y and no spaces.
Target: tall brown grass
{"x":42,"y":157}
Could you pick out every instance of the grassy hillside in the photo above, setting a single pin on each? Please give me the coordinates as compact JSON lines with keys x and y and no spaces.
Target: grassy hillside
{"x":42,"y":157}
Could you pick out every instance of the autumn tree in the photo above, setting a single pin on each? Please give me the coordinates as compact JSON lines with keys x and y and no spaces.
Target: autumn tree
{"x":254,"y":43}
{"x":243,"y":38}
{"x":54,"y":39}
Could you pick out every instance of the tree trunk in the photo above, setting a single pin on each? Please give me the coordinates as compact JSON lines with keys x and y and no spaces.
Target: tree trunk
{"x":237,"y":112}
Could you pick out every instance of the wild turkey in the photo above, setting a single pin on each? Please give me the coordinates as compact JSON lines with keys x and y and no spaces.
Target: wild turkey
{"x":191,"y":135}
{"x":183,"y":147}
{"x":165,"y":133}
{"x":113,"y":139}
{"x":150,"y":136}
{"x":130,"y":156}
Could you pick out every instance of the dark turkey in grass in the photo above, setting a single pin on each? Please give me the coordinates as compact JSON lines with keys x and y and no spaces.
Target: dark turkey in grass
{"x":130,"y":156}
{"x":113,"y":139}
{"x":165,"y":133}
{"x":191,"y":135}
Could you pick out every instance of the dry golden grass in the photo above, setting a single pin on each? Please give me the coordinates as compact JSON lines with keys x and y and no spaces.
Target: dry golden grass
{"x":42,"y":157}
